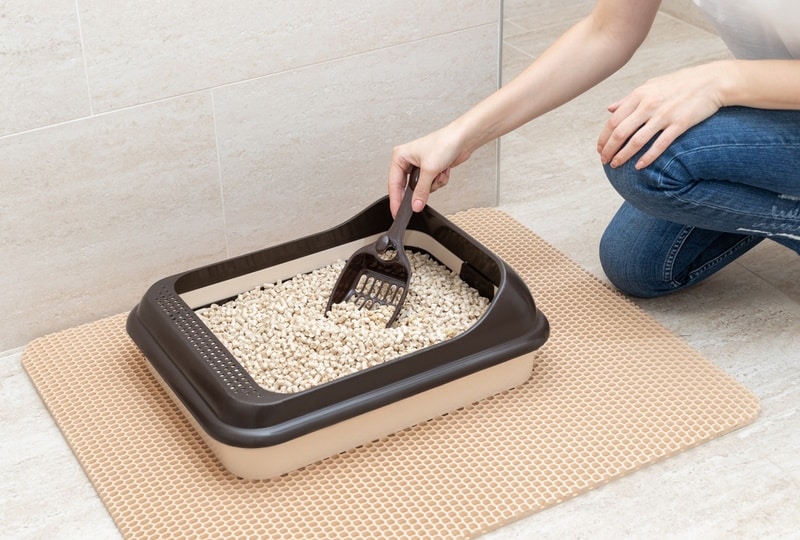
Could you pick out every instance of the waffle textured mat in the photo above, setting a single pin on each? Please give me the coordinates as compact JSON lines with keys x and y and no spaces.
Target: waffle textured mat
{"x":612,"y":391}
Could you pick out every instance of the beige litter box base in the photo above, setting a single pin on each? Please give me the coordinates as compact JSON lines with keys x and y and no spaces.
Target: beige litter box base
{"x":612,"y":391}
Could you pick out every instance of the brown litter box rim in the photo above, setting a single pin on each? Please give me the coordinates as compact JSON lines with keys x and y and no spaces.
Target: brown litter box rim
{"x":512,"y":326}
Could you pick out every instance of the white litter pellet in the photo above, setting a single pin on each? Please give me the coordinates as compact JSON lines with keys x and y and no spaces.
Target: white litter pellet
{"x":281,"y":336}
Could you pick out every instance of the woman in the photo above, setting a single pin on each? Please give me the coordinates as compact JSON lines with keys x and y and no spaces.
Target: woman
{"x":706,"y":158}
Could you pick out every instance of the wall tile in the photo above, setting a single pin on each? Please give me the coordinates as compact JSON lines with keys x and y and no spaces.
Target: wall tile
{"x":41,"y":64}
{"x":95,"y":210}
{"x":138,"y":52}
{"x":304,"y":150}
{"x":99,"y":202}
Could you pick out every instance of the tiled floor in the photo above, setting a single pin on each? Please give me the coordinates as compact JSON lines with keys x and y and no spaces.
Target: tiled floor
{"x":746,"y":320}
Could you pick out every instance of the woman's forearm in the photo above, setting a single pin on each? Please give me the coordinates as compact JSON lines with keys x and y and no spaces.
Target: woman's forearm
{"x":761,"y":84}
{"x":586,"y":54}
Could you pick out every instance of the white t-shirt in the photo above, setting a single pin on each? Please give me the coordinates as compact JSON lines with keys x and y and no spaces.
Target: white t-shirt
{"x":756,"y":29}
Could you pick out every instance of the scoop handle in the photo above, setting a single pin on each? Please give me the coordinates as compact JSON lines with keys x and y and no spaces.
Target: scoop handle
{"x":394,"y":236}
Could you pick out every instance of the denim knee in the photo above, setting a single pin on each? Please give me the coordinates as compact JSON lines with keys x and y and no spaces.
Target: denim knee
{"x":646,"y":256}
{"x":630,"y":270}
{"x":649,"y":189}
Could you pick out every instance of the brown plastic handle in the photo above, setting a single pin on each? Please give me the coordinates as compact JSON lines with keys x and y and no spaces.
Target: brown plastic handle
{"x":394,"y":236}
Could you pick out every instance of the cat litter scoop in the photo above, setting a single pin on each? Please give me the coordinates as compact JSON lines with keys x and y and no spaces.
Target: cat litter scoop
{"x":379,"y":273}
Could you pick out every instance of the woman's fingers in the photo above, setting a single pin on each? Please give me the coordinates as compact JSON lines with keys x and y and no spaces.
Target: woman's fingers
{"x":660,"y":111}
{"x":428,"y":182}
{"x":423,"y":190}
{"x":435,"y":155}
{"x":397,"y":182}
{"x":624,"y":121}
{"x":631,"y":137}
{"x":660,"y":144}
{"x":425,"y":187}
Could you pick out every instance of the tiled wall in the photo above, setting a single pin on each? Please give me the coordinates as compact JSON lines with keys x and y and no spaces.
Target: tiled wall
{"x":140,"y":139}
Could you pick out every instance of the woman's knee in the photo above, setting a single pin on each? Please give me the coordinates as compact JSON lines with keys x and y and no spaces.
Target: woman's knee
{"x":632,"y":264}
{"x":712,"y":149}
{"x":653,"y":188}
{"x":628,"y":272}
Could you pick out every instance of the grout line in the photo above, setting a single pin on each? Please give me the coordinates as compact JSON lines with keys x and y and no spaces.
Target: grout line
{"x":688,"y":22}
{"x":83,"y":57}
{"x":520,"y":29}
{"x":94,"y":114}
{"x":521,"y":51}
{"x":351,"y":55}
{"x":564,"y":24}
{"x":776,"y":287}
{"x":500,"y":42}
{"x":219,"y":174}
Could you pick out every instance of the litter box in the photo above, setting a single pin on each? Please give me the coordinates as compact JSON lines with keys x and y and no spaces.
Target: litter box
{"x":258,"y":434}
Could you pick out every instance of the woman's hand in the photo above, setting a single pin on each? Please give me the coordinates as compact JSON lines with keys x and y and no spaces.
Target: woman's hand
{"x":664,"y":108}
{"x":435,"y":154}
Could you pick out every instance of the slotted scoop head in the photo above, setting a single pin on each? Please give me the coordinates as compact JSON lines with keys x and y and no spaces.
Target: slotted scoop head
{"x":379,"y":273}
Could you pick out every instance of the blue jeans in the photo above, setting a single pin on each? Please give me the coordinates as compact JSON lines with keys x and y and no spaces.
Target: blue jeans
{"x":721,"y":188}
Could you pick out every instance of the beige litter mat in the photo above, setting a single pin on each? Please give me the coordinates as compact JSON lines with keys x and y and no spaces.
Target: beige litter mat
{"x":612,"y":391}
